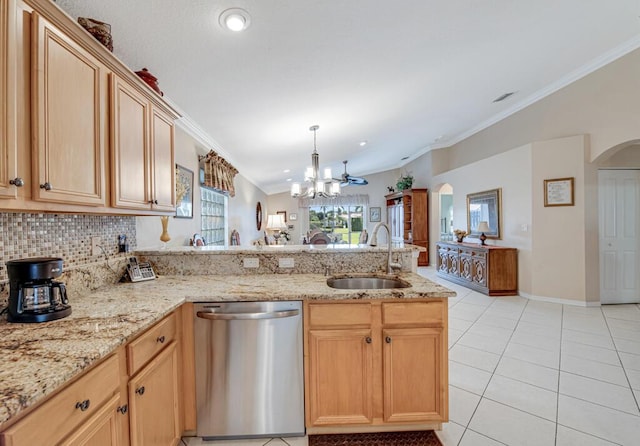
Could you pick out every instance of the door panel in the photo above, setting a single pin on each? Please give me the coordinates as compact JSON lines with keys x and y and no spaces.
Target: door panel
{"x":619,"y":209}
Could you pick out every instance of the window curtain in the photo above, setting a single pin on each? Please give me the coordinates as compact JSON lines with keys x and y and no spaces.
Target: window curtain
{"x":341,"y":200}
{"x":218,"y":173}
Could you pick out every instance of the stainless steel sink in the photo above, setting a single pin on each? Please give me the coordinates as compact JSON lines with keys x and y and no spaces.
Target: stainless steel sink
{"x":366,"y":283}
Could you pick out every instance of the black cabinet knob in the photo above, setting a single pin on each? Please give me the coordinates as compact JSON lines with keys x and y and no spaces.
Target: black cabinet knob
{"x":387,"y":339}
{"x":17,"y":182}
{"x":368,"y":339}
{"x":140,"y":390}
{"x":46,"y":186}
{"x":84,"y":405}
{"x":123,"y":409}
{"x":160,"y":339}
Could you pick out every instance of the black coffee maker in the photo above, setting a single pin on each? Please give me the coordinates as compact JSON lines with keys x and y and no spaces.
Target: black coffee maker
{"x":33,"y":294}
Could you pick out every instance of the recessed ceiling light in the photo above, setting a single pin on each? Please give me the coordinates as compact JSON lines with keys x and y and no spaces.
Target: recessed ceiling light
{"x":235,"y":19}
{"x":289,"y":179}
{"x":363,"y":143}
{"x":287,"y":170}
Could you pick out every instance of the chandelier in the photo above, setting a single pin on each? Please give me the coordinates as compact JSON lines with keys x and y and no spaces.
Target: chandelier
{"x":326,"y":187}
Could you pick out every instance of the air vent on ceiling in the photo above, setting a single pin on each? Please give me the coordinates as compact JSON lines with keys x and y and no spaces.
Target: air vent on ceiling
{"x":405,"y":158}
{"x":503,"y":97}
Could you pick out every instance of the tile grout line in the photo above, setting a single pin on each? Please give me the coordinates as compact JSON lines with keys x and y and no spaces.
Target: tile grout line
{"x":624,"y":370}
{"x":494,"y":369}
{"x":559,"y":367}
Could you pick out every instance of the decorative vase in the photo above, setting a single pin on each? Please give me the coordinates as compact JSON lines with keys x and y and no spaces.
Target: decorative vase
{"x":100,"y":30}
{"x":460,"y":239}
{"x":164,"y":237}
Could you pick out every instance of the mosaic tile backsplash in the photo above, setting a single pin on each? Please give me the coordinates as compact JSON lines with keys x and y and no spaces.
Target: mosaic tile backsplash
{"x":62,"y":235}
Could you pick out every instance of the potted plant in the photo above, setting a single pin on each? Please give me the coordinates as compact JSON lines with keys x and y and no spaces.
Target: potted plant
{"x":405,"y":182}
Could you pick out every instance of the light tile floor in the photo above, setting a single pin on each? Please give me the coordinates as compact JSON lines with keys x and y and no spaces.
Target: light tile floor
{"x":524,"y":372}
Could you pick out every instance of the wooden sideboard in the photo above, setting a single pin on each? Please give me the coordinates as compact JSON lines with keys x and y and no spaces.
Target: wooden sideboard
{"x":492,"y":270}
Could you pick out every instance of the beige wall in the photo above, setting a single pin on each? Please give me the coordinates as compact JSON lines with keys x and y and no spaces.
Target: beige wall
{"x":241,"y":208}
{"x":603,"y":104}
{"x":589,"y":124}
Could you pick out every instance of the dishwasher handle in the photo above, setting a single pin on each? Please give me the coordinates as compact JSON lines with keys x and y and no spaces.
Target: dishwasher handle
{"x":236,"y":316}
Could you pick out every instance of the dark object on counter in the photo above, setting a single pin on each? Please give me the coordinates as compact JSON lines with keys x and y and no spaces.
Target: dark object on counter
{"x":100,"y":30}
{"x":150,"y":79}
{"x":33,"y":295}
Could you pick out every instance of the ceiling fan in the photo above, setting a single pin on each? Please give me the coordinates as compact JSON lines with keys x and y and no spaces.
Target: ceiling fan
{"x":347,"y":179}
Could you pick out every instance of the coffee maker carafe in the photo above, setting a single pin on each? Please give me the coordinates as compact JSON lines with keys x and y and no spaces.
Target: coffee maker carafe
{"x":33,"y":294}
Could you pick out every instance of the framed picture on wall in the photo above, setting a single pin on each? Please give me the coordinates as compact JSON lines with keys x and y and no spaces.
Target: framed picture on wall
{"x":374,"y":214}
{"x":184,"y":192}
{"x":293,"y":217}
{"x":559,"y":192}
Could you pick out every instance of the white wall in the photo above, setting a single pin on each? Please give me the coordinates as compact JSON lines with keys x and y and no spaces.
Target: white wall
{"x":241,"y":208}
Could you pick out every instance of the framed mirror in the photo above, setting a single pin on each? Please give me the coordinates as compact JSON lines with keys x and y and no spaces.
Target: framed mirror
{"x":485,"y":206}
{"x":258,"y":216}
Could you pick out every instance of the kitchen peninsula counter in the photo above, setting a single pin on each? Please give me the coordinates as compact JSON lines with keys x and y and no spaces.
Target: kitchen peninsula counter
{"x":40,"y":358}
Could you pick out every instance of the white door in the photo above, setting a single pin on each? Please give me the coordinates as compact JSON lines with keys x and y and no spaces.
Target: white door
{"x":619,"y":209}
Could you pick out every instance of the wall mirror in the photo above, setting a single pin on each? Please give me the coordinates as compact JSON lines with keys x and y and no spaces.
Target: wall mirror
{"x":485,"y":206}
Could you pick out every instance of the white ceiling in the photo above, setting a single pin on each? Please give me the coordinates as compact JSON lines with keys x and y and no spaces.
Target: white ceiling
{"x":406,"y":76}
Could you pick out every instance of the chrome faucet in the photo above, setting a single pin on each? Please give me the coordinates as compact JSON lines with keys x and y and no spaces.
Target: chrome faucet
{"x":374,"y":242}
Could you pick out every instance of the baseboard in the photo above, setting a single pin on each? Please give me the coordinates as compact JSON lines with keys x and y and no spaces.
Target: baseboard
{"x":556,"y":300}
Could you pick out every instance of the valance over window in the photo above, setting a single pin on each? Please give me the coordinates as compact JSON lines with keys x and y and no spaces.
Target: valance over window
{"x":341,"y":200}
{"x":218,"y":173}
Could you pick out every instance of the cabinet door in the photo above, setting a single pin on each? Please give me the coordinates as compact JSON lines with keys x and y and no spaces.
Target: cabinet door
{"x":415,"y":382}
{"x":130,"y":156}
{"x":8,"y":167}
{"x":69,"y":119}
{"x":163,"y":165}
{"x":153,"y":401}
{"x":100,"y":430}
{"x":340,"y":377}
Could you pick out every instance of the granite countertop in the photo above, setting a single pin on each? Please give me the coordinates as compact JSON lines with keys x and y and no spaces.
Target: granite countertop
{"x":37,"y":359}
{"x":275,"y":249}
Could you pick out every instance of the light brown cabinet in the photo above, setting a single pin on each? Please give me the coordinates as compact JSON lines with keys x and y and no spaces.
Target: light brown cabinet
{"x":142,"y":156}
{"x":154,"y":401}
{"x":56,"y":133}
{"x":492,"y":270}
{"x":85,"y":409}
{"x":8,"y":144}
{"x":69,"y":123}
{"x":133,"y":397}
{"x":375,"y":363}
{"x":408,"y":219}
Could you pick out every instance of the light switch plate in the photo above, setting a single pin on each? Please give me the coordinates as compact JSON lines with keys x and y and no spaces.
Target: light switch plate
{"x":285,"y":262}
{"x":251,"y":262}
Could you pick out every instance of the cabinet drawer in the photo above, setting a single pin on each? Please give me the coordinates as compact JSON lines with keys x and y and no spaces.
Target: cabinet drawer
{"x":143,"y":349}
{"x":339,"y":314}
{"x":64,"y":412}
{"x":414,"y":313}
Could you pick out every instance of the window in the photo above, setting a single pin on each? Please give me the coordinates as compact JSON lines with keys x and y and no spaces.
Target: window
{"x":213,"y":212}
{"x":343,"y":224}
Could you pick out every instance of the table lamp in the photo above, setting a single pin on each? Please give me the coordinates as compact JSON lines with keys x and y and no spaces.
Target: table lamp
{"x":483,"y":227}
{"x":276,"y":223}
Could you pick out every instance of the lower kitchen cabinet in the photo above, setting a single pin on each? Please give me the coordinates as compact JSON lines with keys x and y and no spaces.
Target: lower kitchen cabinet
{"x":130,"y":398}
{"x":90,"y":401}
{"x":153,"y":401}
{"x":376,"y":363}
{"x":341,"y":394}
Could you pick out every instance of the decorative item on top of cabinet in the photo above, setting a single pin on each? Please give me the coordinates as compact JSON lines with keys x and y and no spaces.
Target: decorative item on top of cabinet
{"x":408,"y":219}
{"x":492,"y":270}
{"x":150,"y":80}
{"x":100,"y":30}
{"x":69,"y":130}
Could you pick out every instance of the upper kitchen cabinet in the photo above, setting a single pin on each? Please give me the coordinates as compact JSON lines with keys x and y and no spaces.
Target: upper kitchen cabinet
{"x":9,"y":180}
{"x":70,"y":112}
{"x":142,"y":151}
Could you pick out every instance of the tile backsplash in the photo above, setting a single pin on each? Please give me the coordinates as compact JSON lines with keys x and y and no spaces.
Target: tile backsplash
{"x":62,"y":235}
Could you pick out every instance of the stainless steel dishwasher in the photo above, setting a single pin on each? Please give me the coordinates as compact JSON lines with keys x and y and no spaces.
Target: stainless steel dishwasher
{"x":249,"y":369}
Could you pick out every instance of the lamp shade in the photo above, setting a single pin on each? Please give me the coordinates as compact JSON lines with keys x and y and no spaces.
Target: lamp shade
{"x":483,"y":226}
{"x":276,"y":222}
